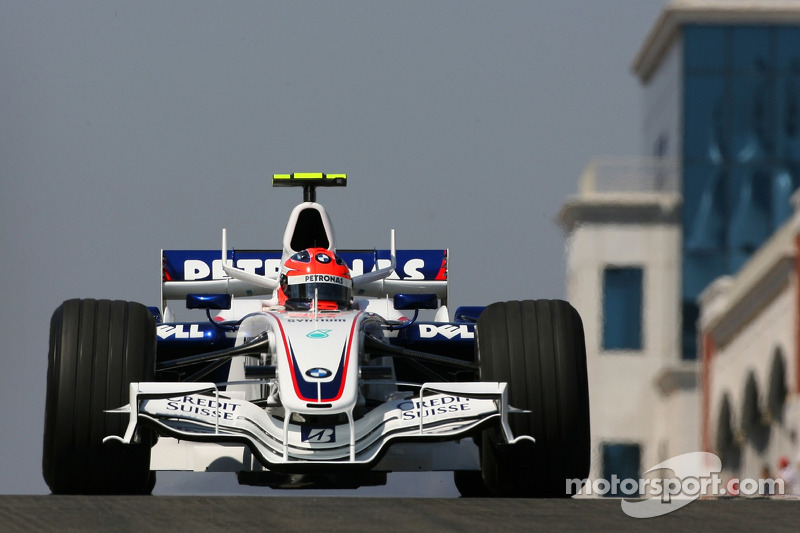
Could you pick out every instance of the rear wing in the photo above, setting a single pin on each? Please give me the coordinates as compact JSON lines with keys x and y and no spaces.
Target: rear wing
{"x":200,"y":272}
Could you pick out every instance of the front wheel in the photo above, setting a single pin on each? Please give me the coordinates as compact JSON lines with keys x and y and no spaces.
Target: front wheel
{"x":537,"y":347}
{"x":97,"y":348}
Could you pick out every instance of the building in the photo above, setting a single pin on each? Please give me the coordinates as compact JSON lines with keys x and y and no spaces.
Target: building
{"x":646,"y":237}
{"x":750,"y":330}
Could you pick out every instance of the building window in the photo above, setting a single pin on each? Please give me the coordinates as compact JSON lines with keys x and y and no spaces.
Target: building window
{"x":776,"y":395}
{"x":622,"y":308}
{"x":621,"y":461}
{"x":691,"y":313}
{"x":740,"y":143}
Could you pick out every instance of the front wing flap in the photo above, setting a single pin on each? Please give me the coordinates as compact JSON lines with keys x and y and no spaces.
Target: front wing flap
{"x":200,"y":412}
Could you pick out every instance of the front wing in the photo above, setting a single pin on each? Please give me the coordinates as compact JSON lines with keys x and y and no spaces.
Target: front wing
{"x":200,"y":412}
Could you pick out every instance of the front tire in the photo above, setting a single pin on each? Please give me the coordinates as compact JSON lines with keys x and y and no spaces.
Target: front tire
{"x":538,"y":348}
{"x":97,"y":348}
{"x":469,"y":484}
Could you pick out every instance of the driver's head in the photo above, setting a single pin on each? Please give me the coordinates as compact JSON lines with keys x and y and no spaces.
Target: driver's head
{"x":315,"y":273}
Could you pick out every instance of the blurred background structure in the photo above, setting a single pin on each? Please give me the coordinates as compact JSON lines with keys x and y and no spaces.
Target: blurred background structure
{"x":685,"y":263}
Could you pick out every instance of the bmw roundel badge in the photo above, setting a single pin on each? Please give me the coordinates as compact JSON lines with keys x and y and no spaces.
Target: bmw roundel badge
{"x":318,"y":373}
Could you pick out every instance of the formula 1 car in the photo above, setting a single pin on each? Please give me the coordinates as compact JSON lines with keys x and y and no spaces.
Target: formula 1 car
{"x":325,"y":384}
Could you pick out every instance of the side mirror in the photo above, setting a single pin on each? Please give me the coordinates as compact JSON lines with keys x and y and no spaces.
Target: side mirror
{"x":469,"y":314}
{"x":208,"y":301}
{"x":415,"y":301}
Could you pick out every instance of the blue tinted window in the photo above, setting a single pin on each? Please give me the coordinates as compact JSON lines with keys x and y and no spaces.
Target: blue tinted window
{"x":701,"y":268}
{"x":787,"y":49}
{"x":622,"y":461}
{"x":788,"y":118}
{"x":622,"y":309}
{"x":741,"y":149}
{"x":706,"y":123}
{"x":751,"y":220}
{"x":785,"y":180}
{"x":752,"y":108}
{"x":751,"y":49}
{"x":705,"y":213}
{"x":689,"y":334}
{"x":704,"y":48}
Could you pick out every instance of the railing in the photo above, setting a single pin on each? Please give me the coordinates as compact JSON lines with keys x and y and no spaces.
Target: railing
{"x":630,"y":174}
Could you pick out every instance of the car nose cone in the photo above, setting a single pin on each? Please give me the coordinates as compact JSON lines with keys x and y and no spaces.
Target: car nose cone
{"x":318,"y":373}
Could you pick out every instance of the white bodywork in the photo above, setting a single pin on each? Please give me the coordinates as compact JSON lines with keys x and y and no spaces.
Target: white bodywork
{"x":227,"y":425}
{"x":313,"y":411}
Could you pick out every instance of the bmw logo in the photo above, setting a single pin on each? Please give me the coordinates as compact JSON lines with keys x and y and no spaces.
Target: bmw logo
{"x":323,"y":258}
{"x":318,"y":373}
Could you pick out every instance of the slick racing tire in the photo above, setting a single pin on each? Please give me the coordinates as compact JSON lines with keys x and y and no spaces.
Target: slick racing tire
{"x":538,"y":349}
{"x":469,"y":484}
{"x":97,"y":347}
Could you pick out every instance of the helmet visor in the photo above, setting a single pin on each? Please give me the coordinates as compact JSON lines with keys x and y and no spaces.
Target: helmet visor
{"x":339,"y":291}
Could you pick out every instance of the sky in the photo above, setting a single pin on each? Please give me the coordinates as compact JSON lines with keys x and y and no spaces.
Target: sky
{"x":131,"y":127}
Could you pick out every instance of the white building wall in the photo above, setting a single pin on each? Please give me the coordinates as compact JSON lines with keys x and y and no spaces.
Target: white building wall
{"x":746,"y":338}
{"x":676,"y":421}
{"x":663,"y":101}
{"x":621,"y":383}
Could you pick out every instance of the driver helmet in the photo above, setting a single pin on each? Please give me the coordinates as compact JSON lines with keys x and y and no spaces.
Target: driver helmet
{"x":315,"y":273}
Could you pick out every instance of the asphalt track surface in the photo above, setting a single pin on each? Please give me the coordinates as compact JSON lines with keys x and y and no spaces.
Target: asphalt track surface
{"x":415,"y":515}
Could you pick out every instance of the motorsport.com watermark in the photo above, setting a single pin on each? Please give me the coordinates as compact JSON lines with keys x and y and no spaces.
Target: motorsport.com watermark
{"x":696,"y":475}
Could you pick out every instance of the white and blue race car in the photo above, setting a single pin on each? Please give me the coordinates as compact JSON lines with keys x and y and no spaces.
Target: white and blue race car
{"x":306,"y":371}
